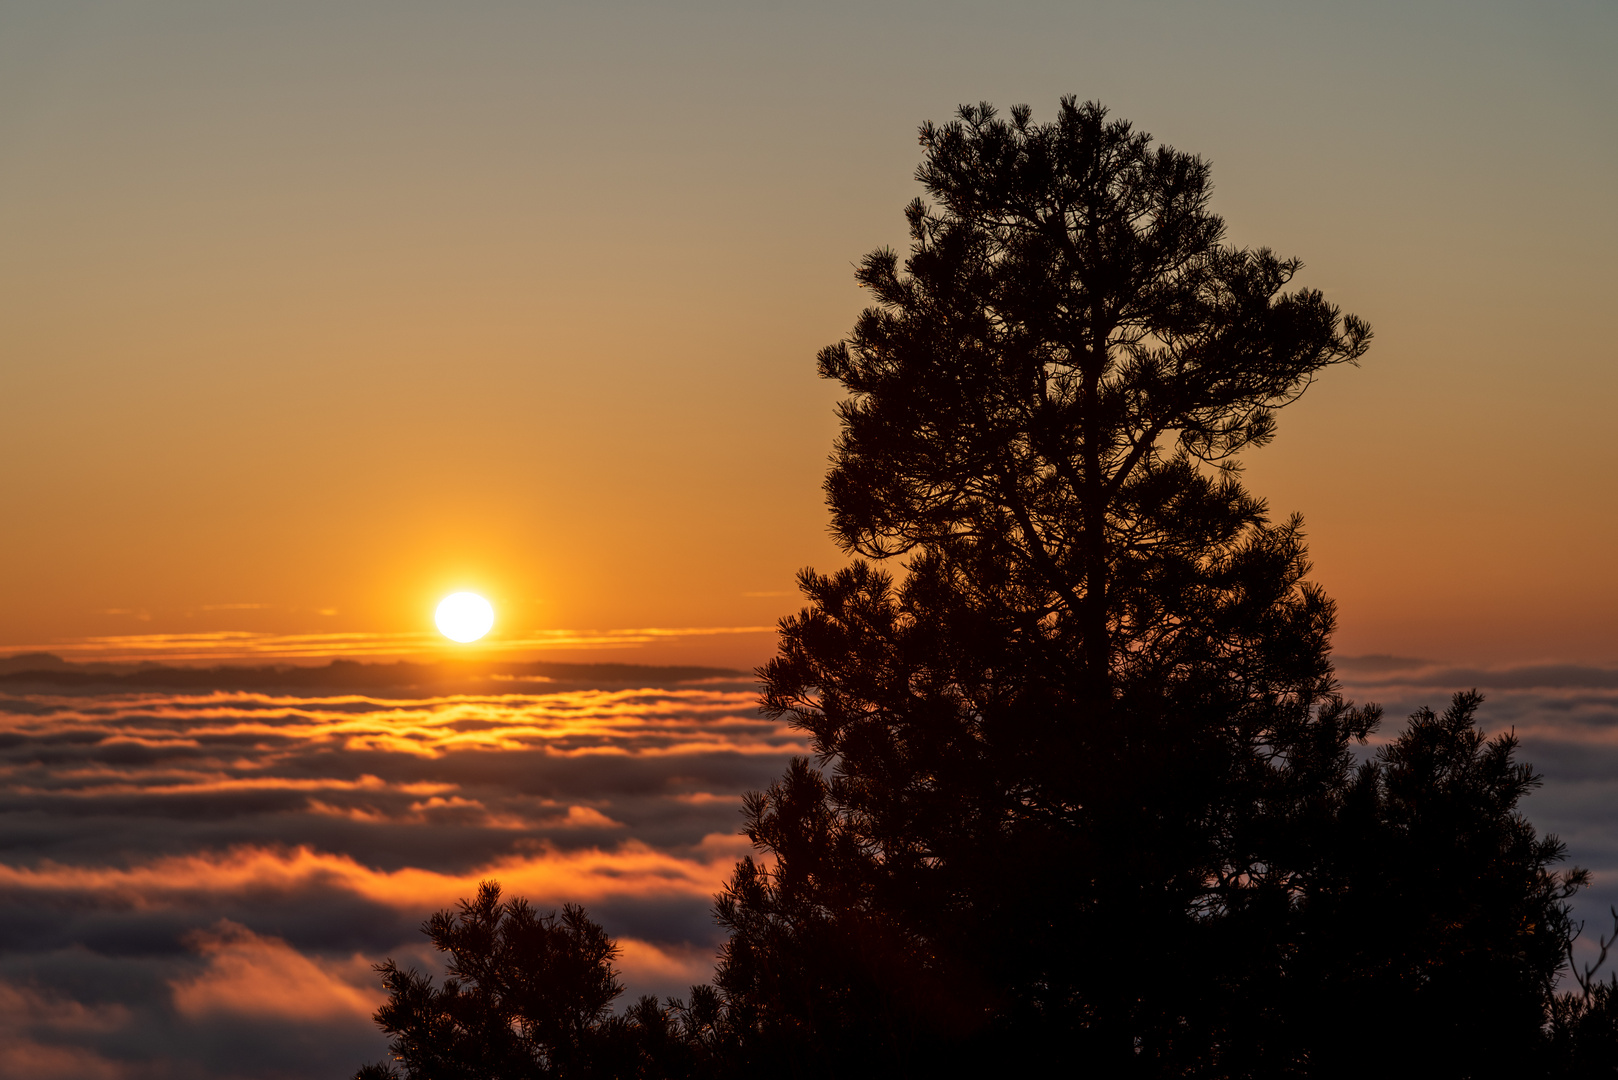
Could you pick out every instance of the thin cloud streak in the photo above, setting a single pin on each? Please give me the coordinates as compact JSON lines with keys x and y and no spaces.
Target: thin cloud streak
{"x":551,"y":877}
{"x":223,"y":645}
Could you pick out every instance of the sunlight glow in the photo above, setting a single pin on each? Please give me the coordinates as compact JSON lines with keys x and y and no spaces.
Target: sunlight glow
{"x":464,"y":616}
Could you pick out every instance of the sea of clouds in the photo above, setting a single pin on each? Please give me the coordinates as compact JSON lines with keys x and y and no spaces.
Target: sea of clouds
{"x":198,"y":884}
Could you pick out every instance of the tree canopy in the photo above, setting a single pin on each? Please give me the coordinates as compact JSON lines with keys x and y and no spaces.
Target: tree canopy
{"x":1083,"y":786}
{"x":1077,"y":744}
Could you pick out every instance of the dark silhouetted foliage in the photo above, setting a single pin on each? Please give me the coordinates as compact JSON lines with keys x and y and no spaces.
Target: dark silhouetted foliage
{"x":528,"y":997}
{"x":1072,"y":751}
{"x":1433,"y":906}
{"x":1583,"y":1027}
{"x":1084,"y":792}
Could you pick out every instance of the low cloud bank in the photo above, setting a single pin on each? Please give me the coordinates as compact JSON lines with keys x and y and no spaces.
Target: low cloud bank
{"x":196,"y":884}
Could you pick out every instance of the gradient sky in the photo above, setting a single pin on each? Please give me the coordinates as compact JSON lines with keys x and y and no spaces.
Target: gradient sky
{"x":311,"y":312}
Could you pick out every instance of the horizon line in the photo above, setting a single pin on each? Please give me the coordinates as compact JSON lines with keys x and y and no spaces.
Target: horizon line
{"x":247,"y":644}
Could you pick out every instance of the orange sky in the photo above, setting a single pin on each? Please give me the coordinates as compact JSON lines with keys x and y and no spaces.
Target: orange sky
{"x":311,"y":313}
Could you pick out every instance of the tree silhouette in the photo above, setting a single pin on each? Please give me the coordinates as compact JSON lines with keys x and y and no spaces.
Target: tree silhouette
{"x":1583,"y":1028}
{"x":1084,"y":789}
{"x":1069,"y":747}
{"x":1431,"y":906}
{"x":527,"y":995}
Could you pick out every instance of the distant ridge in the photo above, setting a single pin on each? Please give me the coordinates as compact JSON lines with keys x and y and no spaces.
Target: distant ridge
{"x":44,"y":661}
{"x":47,"y":669}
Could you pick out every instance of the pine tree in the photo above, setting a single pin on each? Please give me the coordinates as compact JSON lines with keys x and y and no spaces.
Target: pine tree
{"x":528,"y":996}
{"x":1065,"y":758}
{"x":1432,"y":906}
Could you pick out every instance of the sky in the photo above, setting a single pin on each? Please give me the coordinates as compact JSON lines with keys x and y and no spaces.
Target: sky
{"x":314,"y":311}
{"x":311,"y":313}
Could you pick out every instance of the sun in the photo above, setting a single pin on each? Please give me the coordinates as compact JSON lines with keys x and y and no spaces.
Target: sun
{"x":464,"y":616}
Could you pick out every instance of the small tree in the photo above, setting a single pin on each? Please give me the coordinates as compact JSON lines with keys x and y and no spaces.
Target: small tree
{"x":1432,"y":906}
{"x":528,"y":996}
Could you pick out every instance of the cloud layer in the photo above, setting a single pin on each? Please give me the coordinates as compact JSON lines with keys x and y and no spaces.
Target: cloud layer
{"x":197,"y":884}
{"x":251,"y":645}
